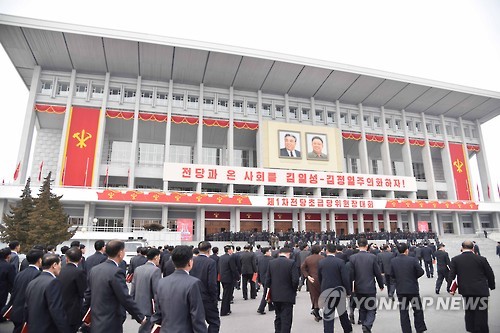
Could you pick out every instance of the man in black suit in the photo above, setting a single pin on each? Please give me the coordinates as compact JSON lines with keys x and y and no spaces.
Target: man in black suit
{"x":44,"y":311}
{"x":443,"y":268}
{"x":15,"y":247}
{"x":178,"y":297}
{"x":205,"y":269}
{"x":428,"y":257}
{"x":364,"y":271}
{"x":263,"y":267}
{"x":290,"y":144}
{"x":138,"y":260}
{"x":73,"y":284}
{"x":7,"y":276}
{"x":98,"y":257}
{"x":18,"y":295}
{"x":108,"y":295}
{"x":384,"y":261}
{"x":228,"y":277}
{"x":283,"y":280}
{"x":406,"y":270}
{"x":474,"y":277}
{"x":215,"y":257}
{"x":248,"y":268}
{"x":333,"y":274}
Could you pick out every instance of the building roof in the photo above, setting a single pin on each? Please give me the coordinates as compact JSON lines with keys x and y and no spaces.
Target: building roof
{"x":63,"y":47}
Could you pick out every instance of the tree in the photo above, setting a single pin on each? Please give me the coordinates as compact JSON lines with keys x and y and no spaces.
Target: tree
{"x":16,"y":224}
{"x":48,"y":222}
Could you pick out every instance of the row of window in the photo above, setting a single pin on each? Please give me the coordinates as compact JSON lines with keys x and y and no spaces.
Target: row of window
{"x":186,"y":100}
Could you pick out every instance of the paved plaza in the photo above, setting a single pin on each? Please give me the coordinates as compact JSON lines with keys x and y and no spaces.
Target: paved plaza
{"x":244,"y":317}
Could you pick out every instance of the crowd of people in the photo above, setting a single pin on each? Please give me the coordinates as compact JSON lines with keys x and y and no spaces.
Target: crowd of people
{"x":187,"y":289}
{"x":324,"y":237}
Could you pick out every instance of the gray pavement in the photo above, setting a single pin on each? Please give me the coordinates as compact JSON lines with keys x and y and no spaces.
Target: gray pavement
{"x":244,"y":317}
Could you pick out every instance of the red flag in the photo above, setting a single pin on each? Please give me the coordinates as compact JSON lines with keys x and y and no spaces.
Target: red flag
{"x":463,"y":186}
{"x":16,"y":173}
{"x":40,"y":172}
{"x":478,"y":194}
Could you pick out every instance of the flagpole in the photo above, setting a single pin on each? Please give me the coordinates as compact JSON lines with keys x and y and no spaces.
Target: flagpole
{"x":64,"y":169}
{"x":86,"y":171}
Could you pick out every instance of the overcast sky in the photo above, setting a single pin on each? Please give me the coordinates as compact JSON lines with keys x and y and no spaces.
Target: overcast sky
{"x":452,"y":41}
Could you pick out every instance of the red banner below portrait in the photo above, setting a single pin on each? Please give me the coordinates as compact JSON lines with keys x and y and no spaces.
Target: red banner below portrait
{"x":460,"y":172}
{"x":81,"y":142}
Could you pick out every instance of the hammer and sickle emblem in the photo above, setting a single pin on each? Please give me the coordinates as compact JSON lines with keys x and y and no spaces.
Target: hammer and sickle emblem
{"x":82,"y":137}
{"x":458,"y":164}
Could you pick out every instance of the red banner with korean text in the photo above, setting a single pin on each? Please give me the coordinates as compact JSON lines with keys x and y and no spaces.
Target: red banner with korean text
{"x":185,"y":226}
{"x":423,"y":226}
{"x":460,"y":171}
{"x":80,"y":150}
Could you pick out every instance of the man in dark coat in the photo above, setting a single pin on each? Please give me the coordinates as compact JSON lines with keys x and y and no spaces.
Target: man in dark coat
{"x":384,"y":261}
{"x":44,"y":311}
{"x":215,"y":257}
{"x":108,"y":294}
{"x":98,"y":257}
{"x":248,"y":268}
{"x":205,"y":269}
{"x":443,"y":268}
{"x":428,"y":257}
{"x":228,"y":277}
{"x":332,"y":274}
{"x":364,"y":272}
{"x":474,"y":277}
{"x":283,"y":280}
{"x":18,"y":296}
{"x":263,"y":267}
{"x":73,"y":284}
{"x":178,"y":298}
{"x":7,"y":276}
{"x":15,"y":247}
{"x":406,"y":270}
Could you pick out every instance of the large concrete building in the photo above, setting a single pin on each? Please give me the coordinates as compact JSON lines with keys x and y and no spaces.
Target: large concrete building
{"x":140,"y":129}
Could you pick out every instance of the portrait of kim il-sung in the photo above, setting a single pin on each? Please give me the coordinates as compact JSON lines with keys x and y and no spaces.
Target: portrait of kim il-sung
{"x":316,"y":146}
{"x":289,"y":144}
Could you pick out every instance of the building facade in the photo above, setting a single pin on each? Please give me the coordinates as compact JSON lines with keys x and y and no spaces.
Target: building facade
{"x":138,"y":131}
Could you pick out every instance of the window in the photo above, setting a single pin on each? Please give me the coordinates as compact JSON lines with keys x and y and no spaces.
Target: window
{"x":266,"y":109}
{"x":46,"y":87}
{"x":62,"y":89}
{"x":208,"y":103}
{"x":120,"y":152}
{"x":222,"y":104}
{"x":306,"y":114}
{"x":376,"y":122}
{"x":397,"y":124}
{"x":146,"y":97}
{"x":388,"y":123}
{"x":181,"y":154}
{"x":319,"y":115}
{"x":409,"y":126}
{"x":393,"y":167}
{"x":129,"y":96}
{"x":428,"y":127}
{"x":467,"y":131}
{"x":81,"y":90}
{"x":178,"y":100}
{"x":292,"y":112}
{"x":354,"y":165}
{"x":211,"y":156}
{"x":375,"y":167}
{"x":161,"y":98}
{"x":251,"y":107}
{"x":474,"y":133}
{"x":367,"y":121}
{"x":456,"y":131}
{"x":192,"y":102}
{"x":97,"y":91}
{"x":241,"y":158}
{"x":151,"y":154}
{"x":354,"y":119}
{"x":418,"y":171}
{"x":437,"y":129}
{"x":237,"y":106}
{"x":330,"y":117}
{"x":343,"y":118}
{"x":114,"y":94}
{"x":279,"y":111}
{"x":418,"y":126}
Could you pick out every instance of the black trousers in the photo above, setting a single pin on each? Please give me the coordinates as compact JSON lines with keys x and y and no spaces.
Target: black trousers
{"x":247,"y":278}
{"x":443,"y":275}
{"x":212,"y":316}
{"x":263,"y":302}
{"x":284,"y":317}
{"x":418,"y":313}
{"x":476,"y":314}
{"x":227,"y":293}
{"x":429,"y":268}
{"x":367,"y":309}
{"x":344,"y":321}
{"x":391,"y":285}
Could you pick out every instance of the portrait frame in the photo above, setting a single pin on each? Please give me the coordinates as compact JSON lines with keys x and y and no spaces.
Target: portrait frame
{"x":311,"y":155}
{"x":281,"y":144}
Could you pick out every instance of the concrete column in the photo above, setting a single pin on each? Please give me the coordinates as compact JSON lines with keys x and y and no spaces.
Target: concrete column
{"x":350,"y":223}
{"x":164,"y":216}
{"x":230,"y":138}
{"x":295,"y":221}
{"x":435,"y":223}
{"x":265,"y":220}
{"x":260,"y":190}
{"x":406,"y":150}
{"x":495,"y":219}
{"x":484,"y":171}
{"x":135,"y":134}
{"x":302,"y":219}
{"x":457,"y":225}
{"x":387,"y":221}
{"x":287,"y":109}
{"x":237,"y":212}
{"x":375,"y":223}
{"x":271,"y":220}
{"x":384,"y":148}
{"x":478,"y":228}
{"x":341,"y":146}
{"x":323,"y":221}
{"x":411,"y":221}
{"x":232,"y":223}
{"x":127,"y":217}
{"x":332,"y":221}
{"x":200,"y":224}
{"x":428,"y":165}
{"x":363,"y":149}
{"x":447,"y":166}
{"x":100,"y":134}
{"x":168,"y":133}
{"x":61,"y":160}
{"x":361,"y":221}
{"x":313,"y":111}
{"x":259,"y":143}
